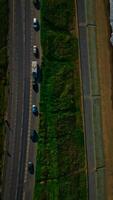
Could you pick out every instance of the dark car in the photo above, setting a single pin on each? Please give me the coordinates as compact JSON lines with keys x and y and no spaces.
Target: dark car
{"x":34,"y":77}
{"x":34,"y":136}
{"x":35,"y":86}
{"x":39,"y":74}
{"x":30,"y":167}
{"x":35,"y":110}
{"x":36,"y":4}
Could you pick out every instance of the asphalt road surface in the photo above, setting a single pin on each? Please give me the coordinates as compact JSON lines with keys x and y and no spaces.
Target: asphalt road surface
{"x":87,"y":101}
{"x":20,"y":45}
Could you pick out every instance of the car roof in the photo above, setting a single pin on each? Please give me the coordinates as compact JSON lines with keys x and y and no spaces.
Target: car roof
{"x":34,"y":19}
{"x":30,"y":163}
{"x":34,"y":136}
{"x":33,"y":105}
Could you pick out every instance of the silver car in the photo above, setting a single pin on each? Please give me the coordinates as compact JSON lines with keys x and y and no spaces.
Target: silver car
{"x":35,"y":24}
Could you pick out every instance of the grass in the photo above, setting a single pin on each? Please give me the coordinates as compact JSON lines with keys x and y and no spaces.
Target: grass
{"x":60,"y":171}
{"x":3,"y":74}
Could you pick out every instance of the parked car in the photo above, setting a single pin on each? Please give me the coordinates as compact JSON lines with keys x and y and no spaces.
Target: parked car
{"x":30,"y":167}
{"x":35,"y":24}
{"x":36,"y":72}
{"x":34,"y":136}
{"x":39,"y":74}
{"x":35,"y":86}
{"x":36,"y":4}
{"x":35,"y":51}
{"x":35,"y":110}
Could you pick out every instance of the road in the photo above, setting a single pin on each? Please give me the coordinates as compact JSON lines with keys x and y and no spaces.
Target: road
{"x":87,"y":98}
{"x":19,"y":108}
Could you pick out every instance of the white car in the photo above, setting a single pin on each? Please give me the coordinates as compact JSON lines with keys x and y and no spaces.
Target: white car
{"x":35,"y":49}
{"x":35,"y":24}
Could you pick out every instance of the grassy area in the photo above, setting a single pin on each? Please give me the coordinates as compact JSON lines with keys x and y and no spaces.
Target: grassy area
{"x":3,"y":73}
{"x":60,"y":171}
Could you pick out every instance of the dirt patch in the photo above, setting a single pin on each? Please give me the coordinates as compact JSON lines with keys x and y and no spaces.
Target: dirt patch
{"x":105,"y":64}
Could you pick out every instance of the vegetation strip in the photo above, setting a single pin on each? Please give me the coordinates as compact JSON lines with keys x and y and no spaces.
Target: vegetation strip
{"x":60,"y":171}
{"x":3,"y":75}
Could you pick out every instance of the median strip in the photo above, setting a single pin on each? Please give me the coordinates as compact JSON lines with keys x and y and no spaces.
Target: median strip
{"x":61,"y":167}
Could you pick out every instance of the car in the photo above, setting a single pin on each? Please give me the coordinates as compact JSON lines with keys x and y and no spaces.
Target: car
{"x":35,"y":86}
{"x":35,"y":110}
{"x":35,"y":51}
{"x":36,"y":4}
{"x":30,"y":167}
{"x":36,"y":72}
{"x":35,"y":24}
{"x":39,"y":74}
{"x":34,"y":136}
